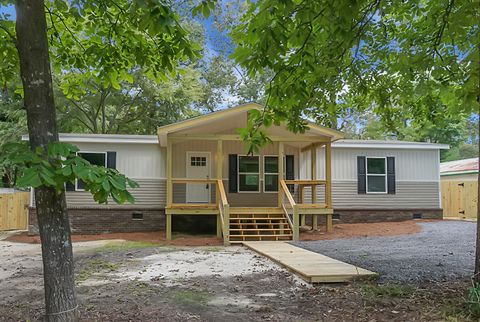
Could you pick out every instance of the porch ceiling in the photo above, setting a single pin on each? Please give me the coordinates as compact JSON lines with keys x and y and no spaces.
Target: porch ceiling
{"x":224,"y":124}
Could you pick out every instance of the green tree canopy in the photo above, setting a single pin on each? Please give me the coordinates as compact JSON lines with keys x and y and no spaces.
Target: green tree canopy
{"x":414,"y":60}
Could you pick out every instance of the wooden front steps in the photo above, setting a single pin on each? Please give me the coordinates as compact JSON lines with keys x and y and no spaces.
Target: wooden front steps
{"x":257,"y":224}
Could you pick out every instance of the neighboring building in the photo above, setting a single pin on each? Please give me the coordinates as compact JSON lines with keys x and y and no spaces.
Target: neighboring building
{"x":459,"y":185}
{"x":199,"y":167}
{"x":466,"y":170}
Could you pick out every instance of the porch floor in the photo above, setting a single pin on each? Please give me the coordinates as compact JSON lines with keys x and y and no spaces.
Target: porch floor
{"x":310,"y":266}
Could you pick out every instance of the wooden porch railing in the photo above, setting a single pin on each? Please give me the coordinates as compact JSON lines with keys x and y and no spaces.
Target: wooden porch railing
{"x":223,"y":211}
{"x":300,"y":209}
{"x":220,"y":207}
{"x":295,"y":225}
{"x":313,"y":184}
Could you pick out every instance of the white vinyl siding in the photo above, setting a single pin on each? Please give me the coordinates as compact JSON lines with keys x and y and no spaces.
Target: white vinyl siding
{"x":410,"y":165}
{"x":408,"y":195}
{"x":134,"y":160}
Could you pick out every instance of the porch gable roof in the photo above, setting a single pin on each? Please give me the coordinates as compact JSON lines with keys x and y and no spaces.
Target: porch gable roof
{"x":232,"y":118}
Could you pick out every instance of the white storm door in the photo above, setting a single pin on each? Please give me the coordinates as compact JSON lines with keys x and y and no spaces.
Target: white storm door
{"x":198,"y":167}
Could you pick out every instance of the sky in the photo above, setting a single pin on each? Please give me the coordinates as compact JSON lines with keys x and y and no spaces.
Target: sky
{"x":10,"y":10}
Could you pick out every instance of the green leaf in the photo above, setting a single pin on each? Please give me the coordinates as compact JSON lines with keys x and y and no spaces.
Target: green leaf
{"x":29,"y":178}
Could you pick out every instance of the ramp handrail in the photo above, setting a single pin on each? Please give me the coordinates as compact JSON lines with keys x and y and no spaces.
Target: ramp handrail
{"x":224,"y":211}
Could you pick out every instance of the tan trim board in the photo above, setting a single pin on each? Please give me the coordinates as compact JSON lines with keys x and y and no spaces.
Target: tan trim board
{"x":177,"y":211}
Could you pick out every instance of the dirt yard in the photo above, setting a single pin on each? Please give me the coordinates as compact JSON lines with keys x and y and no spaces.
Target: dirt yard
{"x":341,"y":231}
{"x":145,"y":281}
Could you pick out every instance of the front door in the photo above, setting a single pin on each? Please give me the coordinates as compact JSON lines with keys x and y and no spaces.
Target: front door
{"x":198,"y":167}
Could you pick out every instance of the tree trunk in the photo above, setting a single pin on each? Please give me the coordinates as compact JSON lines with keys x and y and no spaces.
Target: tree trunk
{"x":51,"y":209}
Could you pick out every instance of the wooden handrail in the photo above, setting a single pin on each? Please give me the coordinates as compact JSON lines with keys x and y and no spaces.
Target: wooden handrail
{"x":186,"y":180}
{"x":288,"y":217}
{"x":221,"y":190}
{"x":224,"y":211}
{"x":306,"y":182}
{"x":287,"y":193}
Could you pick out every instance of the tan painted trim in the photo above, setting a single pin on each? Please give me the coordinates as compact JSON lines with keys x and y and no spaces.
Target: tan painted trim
{"x":306,"y":182}
{"x":207,"y":118}
{"x":234,"y":137}
{"x":314,"y":211}
{"x":177,"y":211}
{"x":317,"y":144}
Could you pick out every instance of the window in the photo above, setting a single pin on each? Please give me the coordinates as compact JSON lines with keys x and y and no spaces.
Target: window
{"x":270,"y":173}
{"x":95,"y":158}
{"x":249,"y":173}
{"x":376,"y":175}
{"x":198,"y":161}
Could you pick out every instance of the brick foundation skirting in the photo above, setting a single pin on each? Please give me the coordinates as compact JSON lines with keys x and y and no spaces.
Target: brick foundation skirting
{"x":98,"y":220}
{"x":102,"y":221}
{"x":379,"y":215}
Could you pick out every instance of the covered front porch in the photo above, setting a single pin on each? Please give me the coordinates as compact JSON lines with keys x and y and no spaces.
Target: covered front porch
{"x":254,"y":197}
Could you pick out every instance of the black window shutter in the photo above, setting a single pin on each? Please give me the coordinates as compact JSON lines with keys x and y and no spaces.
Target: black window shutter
{"x":232,"y":173}
{"x":290,"y":167}
{"x":361,"y":175}
{"x":112,"y":160}
{"x":290,"y":170}
{"x":391,"y":175}
{"x":69,"y":186}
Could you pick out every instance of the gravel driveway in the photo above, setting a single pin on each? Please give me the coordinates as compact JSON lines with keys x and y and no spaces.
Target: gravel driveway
{"x":444,"y":250}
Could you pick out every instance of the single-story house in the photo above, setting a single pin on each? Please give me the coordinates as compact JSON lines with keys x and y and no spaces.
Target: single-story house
{"x":200,"y":167}
{"x":459,"y":170}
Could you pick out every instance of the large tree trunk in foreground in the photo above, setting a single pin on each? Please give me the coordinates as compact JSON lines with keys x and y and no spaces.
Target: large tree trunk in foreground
{"x":52,"y":215}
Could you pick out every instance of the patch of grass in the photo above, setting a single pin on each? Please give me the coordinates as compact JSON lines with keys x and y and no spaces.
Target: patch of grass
{"x":463,"y":308}
{"x":387,"y":290}
{"x":139,"y":288}
{"x":95,"y":266}
{"x":127,"y":245}
{"x":474,"y":300}
{"x":191,"y":297}
{"x":455,"y":311}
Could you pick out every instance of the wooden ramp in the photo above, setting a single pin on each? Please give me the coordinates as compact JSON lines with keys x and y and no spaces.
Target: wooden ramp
{"x":311,"y":266}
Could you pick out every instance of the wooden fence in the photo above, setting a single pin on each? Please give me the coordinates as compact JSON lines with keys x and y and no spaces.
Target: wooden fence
{"x":14,"y":210}
{"x":460,"y":199}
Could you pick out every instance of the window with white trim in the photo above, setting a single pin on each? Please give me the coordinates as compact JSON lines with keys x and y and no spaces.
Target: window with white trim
{"x":376,"y":175}
{"x":270,"y":173}
{"x":95,"y":158}
{"x":248,"y":173}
